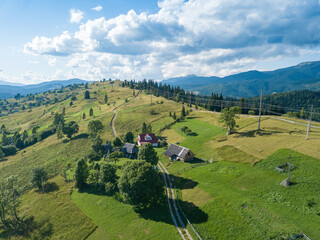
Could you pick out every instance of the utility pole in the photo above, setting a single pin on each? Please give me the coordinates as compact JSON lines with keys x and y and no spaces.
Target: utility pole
{"x":309,"y":123}
{"x":260,"y":110}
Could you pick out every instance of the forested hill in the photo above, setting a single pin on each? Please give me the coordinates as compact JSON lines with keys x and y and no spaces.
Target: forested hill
{"x":294,"y":100}
{"x":248,"y":84}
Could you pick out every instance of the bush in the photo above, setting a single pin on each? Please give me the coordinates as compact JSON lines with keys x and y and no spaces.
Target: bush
{"x":9,"y":150}
{"x":45,"y":133}
{"x":93,"y":156}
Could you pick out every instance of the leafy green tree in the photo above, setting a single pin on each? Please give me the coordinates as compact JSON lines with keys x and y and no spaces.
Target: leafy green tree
{"x":148,"y":154}
{"x":227,"y":117}
{"x":129,"y":137}
{"x":86,"y":94}
{"x":83,"y":116}
{"x":5,"y":141}
{"x":96,"y":144}
{"x":24,"y":135}
{"x":94,"y":156}
{"x":1,"y":155}
{"x":174,"y":116}
{"x":70,"y":129}
{"x":81,"y":174}
{"x":114,"y":156}
{"x":9,"y":203}
{"x":108,"y":173}
{"x":95,"y":127}
{"x":117,"y":142}
{"x":34,"y":129}
{"x":183,"y":112}
{"x":91,"y":112}
{"x":140,"y":184}
{"x":39,"y":177}
{"x":3,"y":128}
{"x":105,"y":98}
{"x":146,"y":128}
{"x":19,"y":143}
{"x":59,"y":131}
{"x":58,"y":118}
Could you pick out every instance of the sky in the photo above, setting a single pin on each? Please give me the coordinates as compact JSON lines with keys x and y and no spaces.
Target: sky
{"x":137,"y":39}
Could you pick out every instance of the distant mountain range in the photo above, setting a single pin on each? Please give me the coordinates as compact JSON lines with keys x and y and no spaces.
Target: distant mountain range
{"x":10,"y":83}
{"x":7,"y":91}
{"x":248,"y":84}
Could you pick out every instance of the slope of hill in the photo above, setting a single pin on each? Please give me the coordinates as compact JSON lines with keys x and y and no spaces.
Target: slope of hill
{"x":10,"y":83}
{"x":248,"y":84}
{"x":8,"y":91}
{"x":239,"y":190}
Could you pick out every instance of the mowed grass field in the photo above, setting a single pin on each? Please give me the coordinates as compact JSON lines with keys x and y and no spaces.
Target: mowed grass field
{"x":239,"y":196}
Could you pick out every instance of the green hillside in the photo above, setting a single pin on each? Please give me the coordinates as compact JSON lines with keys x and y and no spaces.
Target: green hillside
{"x":231,"y":190}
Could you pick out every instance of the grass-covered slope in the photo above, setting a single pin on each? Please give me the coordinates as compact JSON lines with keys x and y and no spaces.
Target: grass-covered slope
{"x":249,"y":203}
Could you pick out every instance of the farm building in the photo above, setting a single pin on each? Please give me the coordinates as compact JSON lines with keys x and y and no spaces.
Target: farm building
{"x":176,"y":152}
{"x":130,"y":150}
{"x":107,"y":148}
{"x":147,"y":138}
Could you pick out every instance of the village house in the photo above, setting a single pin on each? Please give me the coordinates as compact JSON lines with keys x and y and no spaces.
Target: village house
{"x":130,"y":150}
{"x":148,"y":138}
{"x":176,"y":152}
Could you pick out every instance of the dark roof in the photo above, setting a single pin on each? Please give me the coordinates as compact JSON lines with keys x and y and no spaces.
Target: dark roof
{"x":129,"y":148}
{"x":176,"y":150}
{"x":107,"y":146}
{"x":142,"y":138}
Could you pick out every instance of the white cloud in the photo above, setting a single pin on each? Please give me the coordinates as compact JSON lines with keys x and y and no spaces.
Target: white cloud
{"x":97,"y":8}
{"x":187,"y":37}
{"x":75,"y":16}
{"x":52,"y":61}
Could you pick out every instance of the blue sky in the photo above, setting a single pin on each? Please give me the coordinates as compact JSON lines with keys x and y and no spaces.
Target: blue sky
{"x":47,"y":40}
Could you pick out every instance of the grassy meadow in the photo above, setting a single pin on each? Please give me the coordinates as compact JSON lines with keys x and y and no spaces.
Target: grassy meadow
{"x":237,"y":196}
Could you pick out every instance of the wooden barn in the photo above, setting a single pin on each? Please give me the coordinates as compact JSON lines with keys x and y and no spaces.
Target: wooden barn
{"x":176,"y":152}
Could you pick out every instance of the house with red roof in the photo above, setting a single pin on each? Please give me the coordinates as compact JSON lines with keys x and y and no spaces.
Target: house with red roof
{"x":148,"y":138}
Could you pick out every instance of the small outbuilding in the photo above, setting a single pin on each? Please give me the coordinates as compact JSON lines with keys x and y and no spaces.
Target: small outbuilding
{"x":107,"y":148}
{"x":130,"y":150}
{"x":148,"y":138}
{"x":176,"y":152}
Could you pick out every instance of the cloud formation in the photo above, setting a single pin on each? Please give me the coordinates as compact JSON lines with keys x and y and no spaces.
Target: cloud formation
{"x":187,"y":37}
{"x":97,"y":8}
{"x":75,"y":16}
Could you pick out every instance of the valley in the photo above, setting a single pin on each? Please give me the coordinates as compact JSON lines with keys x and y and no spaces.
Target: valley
{"x":231,"y":190}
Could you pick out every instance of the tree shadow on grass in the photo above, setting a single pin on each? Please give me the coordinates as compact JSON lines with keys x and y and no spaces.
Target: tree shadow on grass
{"x":254,"y":133}
{"x":193,"y":134}
{"x":160,"y":212}
{"x":29,"y":228}
{"x":184,"y":183}
{"x":192,"y":117}
{"x":80,"y":136}
{"x":51,"y":187}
